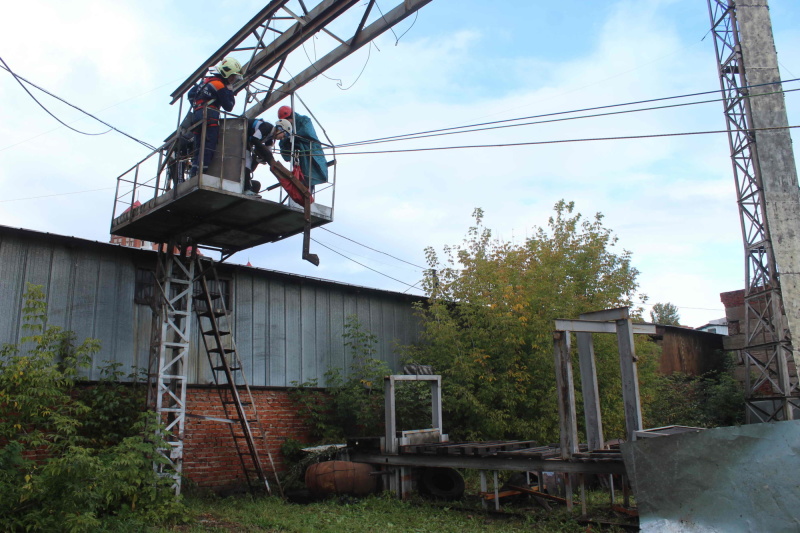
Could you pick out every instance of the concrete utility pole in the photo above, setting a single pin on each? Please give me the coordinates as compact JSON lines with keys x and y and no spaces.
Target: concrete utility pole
{"x":769,"y":203}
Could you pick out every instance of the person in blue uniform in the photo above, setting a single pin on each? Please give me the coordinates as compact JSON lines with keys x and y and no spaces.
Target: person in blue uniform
{"x":307,"y":147}
{"x":207,"y":97}
{"x":261,"y":135}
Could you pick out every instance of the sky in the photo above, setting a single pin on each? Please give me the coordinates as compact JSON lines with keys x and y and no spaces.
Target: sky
{"x":670,"y":201}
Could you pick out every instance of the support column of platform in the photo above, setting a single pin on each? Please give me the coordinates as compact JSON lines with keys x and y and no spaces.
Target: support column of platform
{"x":169,"y":355}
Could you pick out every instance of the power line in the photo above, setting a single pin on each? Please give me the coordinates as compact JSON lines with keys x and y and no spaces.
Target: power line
{"x":557,"y":113}
{"x":20,"y":79}
{"x":57,"y":194}
{"x":596,"y":115}
{"x":559,"y":141}
{"x":373,"y":249}
{"x":104,"y":109}
{"x":362,"y":264}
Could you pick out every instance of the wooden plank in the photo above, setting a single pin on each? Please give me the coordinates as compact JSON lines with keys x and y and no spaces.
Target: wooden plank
{"x":123,"y":349}
{"x":58,"y":294}
{"x":323,"y":330}
{"x":84,"y":297}
{"x":12,"y":262}
{"x":308,"y":335}
{"x":336,"y":355}
{"x":241,"y":321}
{"x":277,"y":333}
{"x":294,"y":339}
{"x":260,"y":368}
{"x":38,"y":260}
{"x":565,"y":393}
{"x":591,"y":396}
{"x":630,"y":379}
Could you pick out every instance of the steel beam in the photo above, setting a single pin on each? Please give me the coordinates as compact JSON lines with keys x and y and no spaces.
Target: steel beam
{"x":590,"y":326}
{"x":520,"y":464}
{"x":399,"y":13}
{"x":264,"y":15}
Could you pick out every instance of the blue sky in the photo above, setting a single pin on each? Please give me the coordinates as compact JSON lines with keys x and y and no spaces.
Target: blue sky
{"x":671,"y":201}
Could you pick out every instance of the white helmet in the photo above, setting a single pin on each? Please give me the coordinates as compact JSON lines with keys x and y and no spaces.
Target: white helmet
{"x":230,"y":66}
{"x":284,"y":125}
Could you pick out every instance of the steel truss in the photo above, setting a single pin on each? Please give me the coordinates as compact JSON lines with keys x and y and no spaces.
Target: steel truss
{"x":169,"y":352}
{"x":275,"y":40}
{"x":767,"y":350}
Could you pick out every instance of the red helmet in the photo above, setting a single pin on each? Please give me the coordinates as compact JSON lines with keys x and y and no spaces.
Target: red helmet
{"x":284,"y":111}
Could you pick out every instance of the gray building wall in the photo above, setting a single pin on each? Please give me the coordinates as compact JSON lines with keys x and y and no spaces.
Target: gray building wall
{"x":287,"y":328}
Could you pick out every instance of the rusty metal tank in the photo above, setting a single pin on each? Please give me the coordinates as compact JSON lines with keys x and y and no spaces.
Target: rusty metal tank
{"x":341,"y":477}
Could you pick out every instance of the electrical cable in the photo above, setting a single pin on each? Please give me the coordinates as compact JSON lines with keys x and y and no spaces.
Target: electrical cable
{"x":339,"y":82}
{"x":559,"y":141}
{"x":416,"y":14}
{"x":20,"y":79}
{"x":17,"y":78}
{"x":544,"y":115}
{"x":57,"y":194}
{"x":564,"y":119}
{"x":362,"y":264}
{"x":387,"y":22}
{"x":370,"y":248}
{"x":104,"y":109}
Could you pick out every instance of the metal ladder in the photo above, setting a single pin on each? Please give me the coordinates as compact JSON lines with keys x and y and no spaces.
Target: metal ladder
{"x":226,"y":367}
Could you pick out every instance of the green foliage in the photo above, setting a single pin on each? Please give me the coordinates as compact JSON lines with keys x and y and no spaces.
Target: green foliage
{"x":59,"y":469}
{"x":352,"y":403}
{"x":665,"y":314}
{"x":488,"y":326}
{"x":713,"y":400}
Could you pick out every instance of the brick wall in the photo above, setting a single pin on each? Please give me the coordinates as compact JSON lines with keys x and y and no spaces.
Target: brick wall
{"x":210,"y":457}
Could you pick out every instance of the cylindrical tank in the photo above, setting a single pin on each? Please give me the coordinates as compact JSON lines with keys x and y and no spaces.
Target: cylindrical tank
{"x":340,"y":477}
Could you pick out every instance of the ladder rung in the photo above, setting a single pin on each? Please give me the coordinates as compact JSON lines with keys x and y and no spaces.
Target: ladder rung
{"x":221,"y":350}
{"x":210,"y":295}
{"x":232,"y":368}
{"x":232,"y":402}
{"x":213,"y":313}
{"x":212,"y":332}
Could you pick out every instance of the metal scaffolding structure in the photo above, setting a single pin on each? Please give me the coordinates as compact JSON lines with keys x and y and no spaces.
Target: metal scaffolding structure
{"x":171,"y":334}
{"x":767,"y":351}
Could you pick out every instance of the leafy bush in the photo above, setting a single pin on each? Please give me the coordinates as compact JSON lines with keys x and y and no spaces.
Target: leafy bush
{"x":351,"y":404}
{"x":65,"y":464}
{"x":712,"y":400}
{"x":487,"y":327}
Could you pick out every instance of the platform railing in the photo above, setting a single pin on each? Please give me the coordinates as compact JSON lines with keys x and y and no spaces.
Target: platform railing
{"x":167,"y":167}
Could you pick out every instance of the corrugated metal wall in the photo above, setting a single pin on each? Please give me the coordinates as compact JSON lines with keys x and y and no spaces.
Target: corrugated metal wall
{"x":287,"y":328}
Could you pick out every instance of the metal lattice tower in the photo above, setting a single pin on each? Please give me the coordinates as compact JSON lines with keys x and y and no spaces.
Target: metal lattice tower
{"x":171,"y":335}
{"x":752,"y":130}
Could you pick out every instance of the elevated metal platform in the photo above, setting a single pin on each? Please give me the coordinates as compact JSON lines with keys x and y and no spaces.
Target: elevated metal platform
{"x":210,"y":209}
{"x":214,"y":216}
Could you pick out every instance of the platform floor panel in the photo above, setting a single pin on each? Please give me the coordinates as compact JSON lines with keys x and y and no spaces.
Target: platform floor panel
{"x":215,"y":217}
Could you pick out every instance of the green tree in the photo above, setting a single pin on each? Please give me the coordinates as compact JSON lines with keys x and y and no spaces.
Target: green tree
{"x":488,"y":325}
{"x":665,"y":314}
{"x":61,"y":467}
